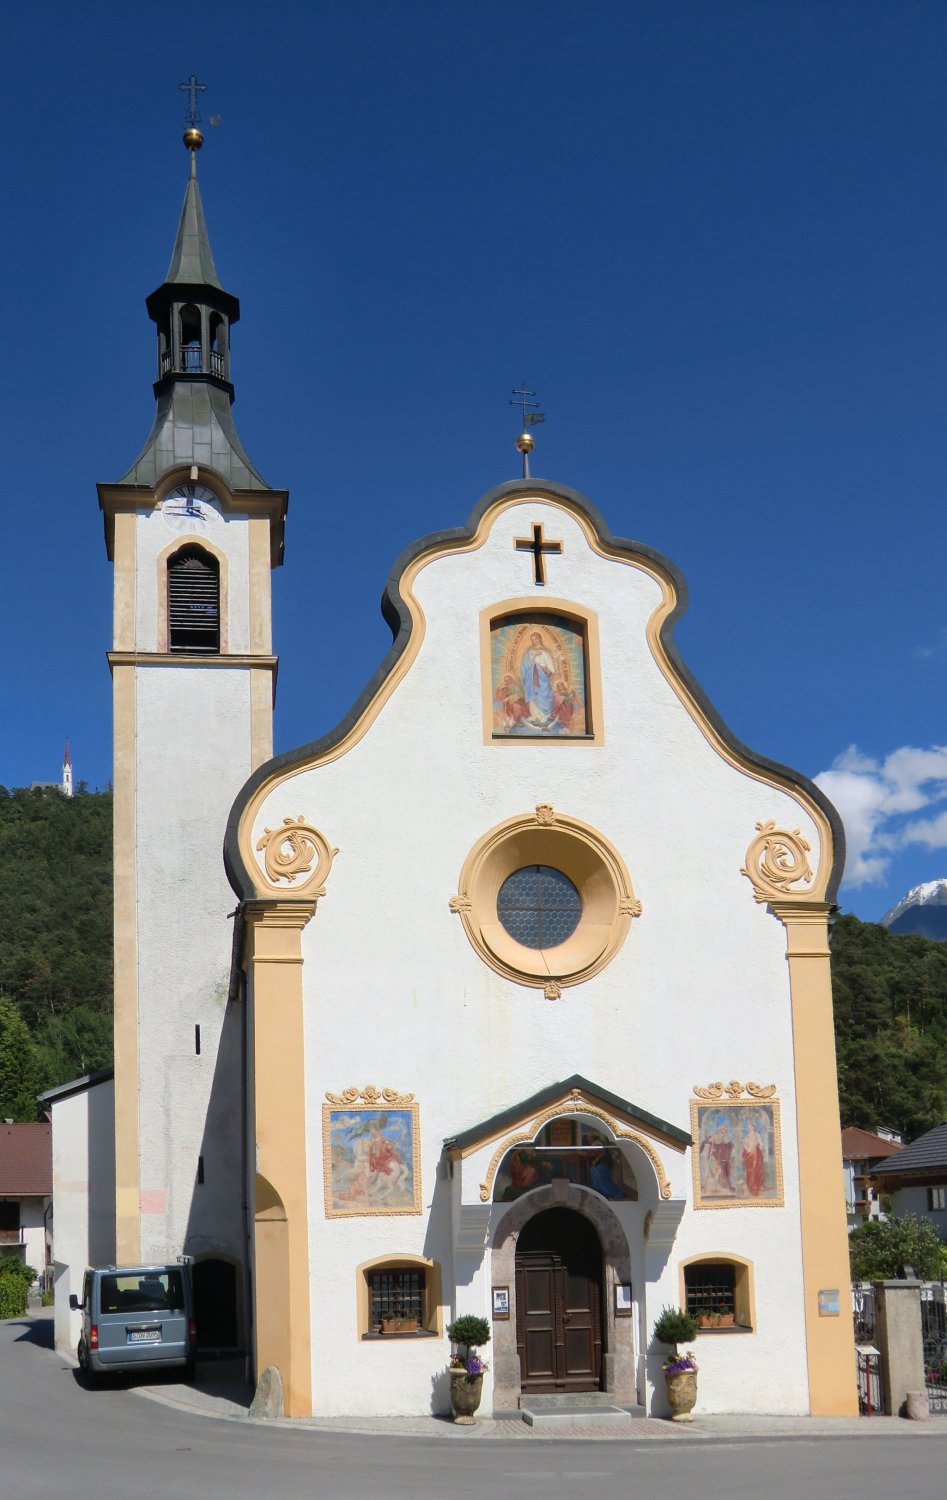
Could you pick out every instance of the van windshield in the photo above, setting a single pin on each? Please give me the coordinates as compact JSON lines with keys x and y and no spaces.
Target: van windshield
{"x":143,"y":1291}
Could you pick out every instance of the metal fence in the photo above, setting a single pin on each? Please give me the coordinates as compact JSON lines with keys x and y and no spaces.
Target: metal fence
{"x":867,"y":1354}
{"x":934,"y":1338}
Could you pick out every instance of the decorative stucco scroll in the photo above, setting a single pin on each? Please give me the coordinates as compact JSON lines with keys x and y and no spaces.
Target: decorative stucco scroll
{"x":290,"y":851}
{"x":735,"y":1090}
{"x":776,"y":861}
{"x":370,"y":1095}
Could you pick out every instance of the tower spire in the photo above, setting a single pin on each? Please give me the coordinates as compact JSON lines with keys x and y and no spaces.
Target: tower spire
{"x":193,"y":315}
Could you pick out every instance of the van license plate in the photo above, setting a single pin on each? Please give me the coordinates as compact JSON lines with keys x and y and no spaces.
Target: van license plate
{"x":145,"y":1336}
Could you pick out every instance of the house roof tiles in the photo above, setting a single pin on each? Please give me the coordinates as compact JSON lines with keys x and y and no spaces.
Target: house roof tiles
{"x":927,"y":1153}
{"x":864,"y":1145}
{"x":26,"y":1160}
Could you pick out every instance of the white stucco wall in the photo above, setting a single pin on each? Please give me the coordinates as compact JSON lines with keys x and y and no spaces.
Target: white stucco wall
{"x":83,"y":1197}
{"x":396,"y":996}
{"x":192,"y":755}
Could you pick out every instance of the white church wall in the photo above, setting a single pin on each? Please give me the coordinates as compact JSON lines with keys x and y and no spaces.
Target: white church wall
{"x":83,"y":1197}
{"x":699,"y":991}
{"x":187,"y":778}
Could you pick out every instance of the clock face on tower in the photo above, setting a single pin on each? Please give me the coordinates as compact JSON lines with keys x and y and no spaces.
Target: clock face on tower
{"x":189,"y":507}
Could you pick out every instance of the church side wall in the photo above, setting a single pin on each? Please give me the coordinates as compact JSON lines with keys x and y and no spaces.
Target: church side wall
{"x":83,"y":1198}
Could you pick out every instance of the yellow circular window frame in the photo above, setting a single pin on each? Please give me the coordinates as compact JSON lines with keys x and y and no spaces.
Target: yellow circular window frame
{"x":596,"y":869}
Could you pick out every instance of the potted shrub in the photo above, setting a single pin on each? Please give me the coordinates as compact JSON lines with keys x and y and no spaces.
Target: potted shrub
{"x":466,"y":1370}
{"x":675,"y":1326}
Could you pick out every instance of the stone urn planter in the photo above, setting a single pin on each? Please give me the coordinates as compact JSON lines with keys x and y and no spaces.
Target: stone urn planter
{"x":682,"y":1393}
{"x":465,"y":1393}
{"x":676,"y":1326}
{"x":466,"y":1370}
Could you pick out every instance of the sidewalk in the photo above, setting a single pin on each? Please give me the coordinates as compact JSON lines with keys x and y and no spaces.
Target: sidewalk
{"x":219,"y":1393}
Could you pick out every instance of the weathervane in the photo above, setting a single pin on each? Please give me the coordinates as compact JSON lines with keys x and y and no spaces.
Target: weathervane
{"x":193,"y":138}
{"x":532,"y":416}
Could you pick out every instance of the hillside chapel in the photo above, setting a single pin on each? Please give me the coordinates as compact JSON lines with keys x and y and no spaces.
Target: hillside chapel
{"x":527,"y":1016}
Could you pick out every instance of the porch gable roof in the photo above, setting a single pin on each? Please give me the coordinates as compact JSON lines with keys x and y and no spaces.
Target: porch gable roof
{"x":570,"y":1093}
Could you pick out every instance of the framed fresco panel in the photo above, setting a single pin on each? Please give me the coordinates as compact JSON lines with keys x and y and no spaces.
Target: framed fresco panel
{"x":371,"y":1160}
{"x":737,"y":1154}
{"x":538,"y":671}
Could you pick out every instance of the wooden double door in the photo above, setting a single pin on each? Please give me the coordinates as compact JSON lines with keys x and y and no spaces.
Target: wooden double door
{"x":559,"y":1280}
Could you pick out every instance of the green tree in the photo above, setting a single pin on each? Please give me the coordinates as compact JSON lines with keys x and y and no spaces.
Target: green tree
{"x":881,"y":1248}
{"x":19,"y":1073}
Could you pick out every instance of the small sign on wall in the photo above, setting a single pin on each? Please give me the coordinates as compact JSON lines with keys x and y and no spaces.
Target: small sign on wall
{"x":829,"y":1304}
{"x":501,"y":1303}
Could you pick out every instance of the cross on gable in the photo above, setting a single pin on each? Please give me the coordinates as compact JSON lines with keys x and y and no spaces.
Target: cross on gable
{"x":538,"y":546}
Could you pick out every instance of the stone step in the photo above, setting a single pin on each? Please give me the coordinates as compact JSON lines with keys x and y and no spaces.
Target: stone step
{"x":577,"y":1409}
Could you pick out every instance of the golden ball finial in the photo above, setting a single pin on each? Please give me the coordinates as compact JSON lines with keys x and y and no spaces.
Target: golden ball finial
{"x":525,"y":443}
{"x":193,"y":139}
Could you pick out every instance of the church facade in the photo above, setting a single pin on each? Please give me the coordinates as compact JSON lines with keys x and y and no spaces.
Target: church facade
{"x":525,"y":1008}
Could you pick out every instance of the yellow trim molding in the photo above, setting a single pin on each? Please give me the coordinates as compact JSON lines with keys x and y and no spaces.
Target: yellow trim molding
{"x":290,"y":850}
{"x":596,"y":869}
{"x":830,"y":1341}
{"x":587,"y":622}
{"x":281,"y":1287}
{"x":776,"y":861}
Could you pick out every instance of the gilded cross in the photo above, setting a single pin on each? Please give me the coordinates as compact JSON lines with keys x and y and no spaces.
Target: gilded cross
{"x":538,"y":546}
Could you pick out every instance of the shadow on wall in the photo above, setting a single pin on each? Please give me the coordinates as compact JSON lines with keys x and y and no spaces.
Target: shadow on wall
{"x":100,"y":1175}
{"x":216,"y":1228}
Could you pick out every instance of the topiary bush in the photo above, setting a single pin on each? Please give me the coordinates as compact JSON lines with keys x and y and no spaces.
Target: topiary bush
{"x":675,"y":1326}
{"x":470,"y":1331}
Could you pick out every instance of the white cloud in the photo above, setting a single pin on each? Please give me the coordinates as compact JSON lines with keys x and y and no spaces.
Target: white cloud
{"x":874,"y":797}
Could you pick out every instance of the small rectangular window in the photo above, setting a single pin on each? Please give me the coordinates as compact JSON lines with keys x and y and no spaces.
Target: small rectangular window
{"x":711,"y":1292}
{"x":397,"y":1301}
{"x":936,"y":1199}
{"x":200,"y":1169}
{"x":197,"y":1040}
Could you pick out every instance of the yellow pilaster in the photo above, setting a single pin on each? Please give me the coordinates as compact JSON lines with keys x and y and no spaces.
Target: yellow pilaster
{"x":281,"y":1217}
{"x":830,"y":1342}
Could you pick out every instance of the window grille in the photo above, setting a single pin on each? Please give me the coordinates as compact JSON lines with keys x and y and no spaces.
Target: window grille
{"x":710,"y":1287}
{"x":193,"y":602}
{"x":396,"y":1294}
{"x":539,"y":906}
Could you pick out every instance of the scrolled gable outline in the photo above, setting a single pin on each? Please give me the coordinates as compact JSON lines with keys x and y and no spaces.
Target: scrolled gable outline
{"x":290,"y":850}
{"x":777,"y":862}
{"x":575,"y":1104}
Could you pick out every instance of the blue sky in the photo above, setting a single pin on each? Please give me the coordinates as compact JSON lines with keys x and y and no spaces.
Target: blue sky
{"x":713,"y":236}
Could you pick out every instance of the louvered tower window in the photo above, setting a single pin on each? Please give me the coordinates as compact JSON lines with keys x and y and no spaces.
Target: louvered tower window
{"x":193,"y":601}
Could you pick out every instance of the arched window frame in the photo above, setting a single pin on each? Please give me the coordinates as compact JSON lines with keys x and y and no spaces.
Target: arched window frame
{"x":583,"y":620}
{"x":432,"y":1315}
{"x":163,"y":642}
{"x":744,"y":1290}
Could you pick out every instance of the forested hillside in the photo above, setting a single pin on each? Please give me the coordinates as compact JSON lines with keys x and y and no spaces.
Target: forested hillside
{"x":56,"y":969}
{"x":890,"y":1026}
{"x":55,"y":941}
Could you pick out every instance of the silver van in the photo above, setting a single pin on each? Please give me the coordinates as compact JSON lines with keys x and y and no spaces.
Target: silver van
{"x":136,"y":1318}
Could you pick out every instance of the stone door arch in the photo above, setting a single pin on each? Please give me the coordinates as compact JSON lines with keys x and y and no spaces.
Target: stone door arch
{"x":618,"y":1359}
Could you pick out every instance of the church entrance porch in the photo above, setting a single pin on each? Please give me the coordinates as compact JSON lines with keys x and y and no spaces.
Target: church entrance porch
{"x":559,"y":1280}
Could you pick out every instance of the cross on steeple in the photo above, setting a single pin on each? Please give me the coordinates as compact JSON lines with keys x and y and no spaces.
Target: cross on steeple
{"x":192,"y":87}
{"x":538,"y":546}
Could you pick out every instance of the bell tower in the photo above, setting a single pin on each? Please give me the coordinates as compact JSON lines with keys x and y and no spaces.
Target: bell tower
{"x":193,"y":531}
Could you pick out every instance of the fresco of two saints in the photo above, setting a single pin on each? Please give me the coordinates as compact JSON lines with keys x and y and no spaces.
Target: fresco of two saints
{"x":737,"y":1158}
{"x":371,"y":1161}
{"x":537,"y":665}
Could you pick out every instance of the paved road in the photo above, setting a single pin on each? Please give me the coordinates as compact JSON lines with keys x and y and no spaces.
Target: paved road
{"x":58,"y":1439}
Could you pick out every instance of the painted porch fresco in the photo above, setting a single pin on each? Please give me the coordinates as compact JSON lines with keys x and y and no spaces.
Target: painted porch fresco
{"x":371,"y":1161}
{"x":537,"y":666}
{"x":737,"y":1157}
{"x":602,"y":1167}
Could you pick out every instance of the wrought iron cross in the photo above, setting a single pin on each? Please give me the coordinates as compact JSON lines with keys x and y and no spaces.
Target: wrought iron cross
{"x":531,"y":412}
{"x":192,"y":114}
{"x":538,"y":546}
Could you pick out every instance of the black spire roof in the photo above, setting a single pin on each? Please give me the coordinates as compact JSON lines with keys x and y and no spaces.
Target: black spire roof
{"x":194,"y":315}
